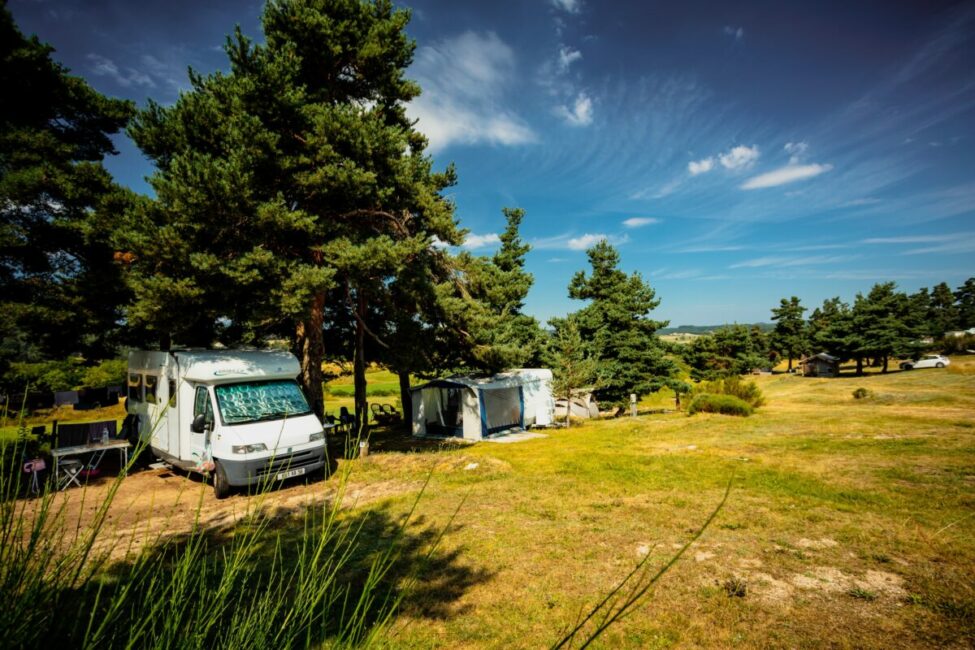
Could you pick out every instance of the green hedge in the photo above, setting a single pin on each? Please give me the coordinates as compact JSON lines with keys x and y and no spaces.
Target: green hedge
{"x":746,"y":391}
{"x":724,"y":404}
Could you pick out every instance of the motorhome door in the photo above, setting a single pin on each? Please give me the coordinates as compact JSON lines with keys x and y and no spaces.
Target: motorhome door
{"x":201,"y":404}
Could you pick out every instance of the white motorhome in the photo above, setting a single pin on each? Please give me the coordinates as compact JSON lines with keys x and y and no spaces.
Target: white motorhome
{"x":239,"y":414}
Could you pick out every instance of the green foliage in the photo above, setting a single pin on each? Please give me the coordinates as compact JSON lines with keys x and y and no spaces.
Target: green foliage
{"x":723,"y":404}
{"x":45,"y":376}
{"x":617,"y":327}
{"x":958,"y":344}
{"x":110,"y":372}
{"x":64,"y":374}
{"x":746,"y":391}
{"x":965,"y":300}
{"x":573,"y":365}
{"x":862,"y":393}
{"x":729,"y":351}
{"x":789,"y":336}
{"x":59,"y":287}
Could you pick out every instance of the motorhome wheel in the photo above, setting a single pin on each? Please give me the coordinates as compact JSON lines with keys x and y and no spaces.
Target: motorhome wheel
{"x":221,"y":487}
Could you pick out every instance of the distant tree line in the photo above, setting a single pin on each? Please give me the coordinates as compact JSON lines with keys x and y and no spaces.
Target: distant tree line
{"x":877,"y":326}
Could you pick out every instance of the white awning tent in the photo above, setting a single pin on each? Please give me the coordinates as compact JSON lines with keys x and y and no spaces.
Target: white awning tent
{"x":475,"y":408}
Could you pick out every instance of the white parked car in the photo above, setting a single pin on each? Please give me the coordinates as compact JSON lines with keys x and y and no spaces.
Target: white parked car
{"x":927,"y":361}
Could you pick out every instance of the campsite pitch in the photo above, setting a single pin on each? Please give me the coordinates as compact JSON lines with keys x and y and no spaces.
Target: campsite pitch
{"x":850,"y":522}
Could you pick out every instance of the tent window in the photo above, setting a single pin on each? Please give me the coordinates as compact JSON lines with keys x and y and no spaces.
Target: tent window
{"x":152,"y":383}
{"x":134,"y":387}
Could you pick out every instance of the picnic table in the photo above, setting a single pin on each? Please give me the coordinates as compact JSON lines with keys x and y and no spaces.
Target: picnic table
{"x":97,"y":449}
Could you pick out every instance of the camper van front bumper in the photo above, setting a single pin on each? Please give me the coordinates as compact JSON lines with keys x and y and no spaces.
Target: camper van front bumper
{"x":248,"y":472}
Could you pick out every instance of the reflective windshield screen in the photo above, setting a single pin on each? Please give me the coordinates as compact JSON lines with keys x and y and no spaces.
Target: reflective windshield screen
{"x":260,"y":400}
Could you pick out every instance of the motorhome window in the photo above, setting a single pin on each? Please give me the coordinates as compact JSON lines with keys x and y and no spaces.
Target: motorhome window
{"x":152,"y":382}
{"x":172,"y":393}
{"x":260,"y":400}
{"x":134,"y":387}
{"x":201,"y":404}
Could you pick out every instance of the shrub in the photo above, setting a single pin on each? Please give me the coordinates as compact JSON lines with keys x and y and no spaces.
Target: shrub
{"x":746,"y":391}
{"x":862,"y":393}
{"x":724,"y":404}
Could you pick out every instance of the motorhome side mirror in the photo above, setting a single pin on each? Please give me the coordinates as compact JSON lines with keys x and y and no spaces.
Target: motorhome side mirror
{"x":199,"y":424}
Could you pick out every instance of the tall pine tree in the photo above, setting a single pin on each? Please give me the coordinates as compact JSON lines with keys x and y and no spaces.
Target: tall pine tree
{"x":616,"y":324}
{"x":59,"y":286}
{"x":789,"y":337}
{"x":294,"y":174}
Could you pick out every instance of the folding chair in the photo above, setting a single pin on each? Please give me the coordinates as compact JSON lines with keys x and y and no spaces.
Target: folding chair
{"x":68,"y":471}
{"x":377,"y":412}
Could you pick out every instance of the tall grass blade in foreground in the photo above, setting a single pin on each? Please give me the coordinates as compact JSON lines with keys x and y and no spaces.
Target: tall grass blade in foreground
{"x":316,"y":581}
{"x":630,"y":591}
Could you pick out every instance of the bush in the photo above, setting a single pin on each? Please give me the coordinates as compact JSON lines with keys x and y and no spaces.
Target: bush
{"x":723,"y":404}
{"x":746,"y":391}
{"x":862,"y":393}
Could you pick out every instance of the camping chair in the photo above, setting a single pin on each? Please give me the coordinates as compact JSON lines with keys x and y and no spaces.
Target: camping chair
{"x":390,"y":411}
{"x":69,"y":470}
{"x":377,"y":412}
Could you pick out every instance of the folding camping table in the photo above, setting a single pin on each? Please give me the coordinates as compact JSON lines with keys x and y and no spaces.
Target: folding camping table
{"x":97,"y":449}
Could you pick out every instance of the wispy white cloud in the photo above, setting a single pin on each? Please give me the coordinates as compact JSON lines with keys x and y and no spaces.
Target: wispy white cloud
{"x":855,"y":203}
{"x":795,"y":151}
{"x":913,"y":239}
{"x":580,"y":113}
{"x":583,"y":242}
{"x":572,"y":242}
{"x":474,"y":242}
{"x":569,"y":6}
{"x":736,"y":33}
{"x":465,"y":81}
{"x":782,"y":261}
{"x":702,"y":166}
{"x":740,"y":157}
{"x":639,"y":222}
{"x":710,"y":249}
{"x":785,"y":175}
{"x":958,"y":245}
{"x":124,"y":76}
{"x":567,"y":56}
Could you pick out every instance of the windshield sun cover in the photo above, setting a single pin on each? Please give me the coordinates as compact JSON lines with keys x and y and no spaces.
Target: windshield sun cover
{"x":260,"y":400}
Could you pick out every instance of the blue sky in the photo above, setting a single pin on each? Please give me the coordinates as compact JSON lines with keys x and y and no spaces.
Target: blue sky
{"x":736,"y":153}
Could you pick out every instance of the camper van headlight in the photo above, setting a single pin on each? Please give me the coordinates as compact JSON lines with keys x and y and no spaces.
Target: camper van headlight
{"x":315,"y":437}
{"x":248,"y":449}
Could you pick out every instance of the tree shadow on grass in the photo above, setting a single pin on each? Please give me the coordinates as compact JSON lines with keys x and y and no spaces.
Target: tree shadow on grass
{"x":252,"y":575}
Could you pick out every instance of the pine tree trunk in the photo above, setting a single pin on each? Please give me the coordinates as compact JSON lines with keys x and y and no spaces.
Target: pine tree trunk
{"x":359,"y":370}
{"x":310,"y":349}
{"x":165,"y":341}
{"x":406,"y":398}
{"x":885,"y":365}
{"x":859,"y":366}
{"x":790,"y":363}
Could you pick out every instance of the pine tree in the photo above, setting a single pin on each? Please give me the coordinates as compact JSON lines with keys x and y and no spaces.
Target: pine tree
{"x":295,"y":174}
{"x":788,"y":338}
{"x":617,"y":327}
{"x":965,"y":301}
{"x":573,"y":366}
{"x":943,"y":315}
{"x":830,"y":329}
{"x":59,"y":287}
{"x":880,"y":321}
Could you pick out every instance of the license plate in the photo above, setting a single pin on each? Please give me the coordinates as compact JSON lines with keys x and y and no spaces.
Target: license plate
{"x":291,"y":473}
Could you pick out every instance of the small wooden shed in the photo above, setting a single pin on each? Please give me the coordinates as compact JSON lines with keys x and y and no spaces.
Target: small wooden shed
{"x":821,"y":365}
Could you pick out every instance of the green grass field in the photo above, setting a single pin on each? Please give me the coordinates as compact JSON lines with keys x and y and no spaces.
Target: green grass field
{"x":851,"y":523}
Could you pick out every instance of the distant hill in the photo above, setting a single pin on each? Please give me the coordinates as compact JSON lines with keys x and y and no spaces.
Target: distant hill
{"x":707,"y":329}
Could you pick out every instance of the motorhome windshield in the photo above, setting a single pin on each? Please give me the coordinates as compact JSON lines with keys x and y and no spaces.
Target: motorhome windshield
{"x":260,"y":400}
